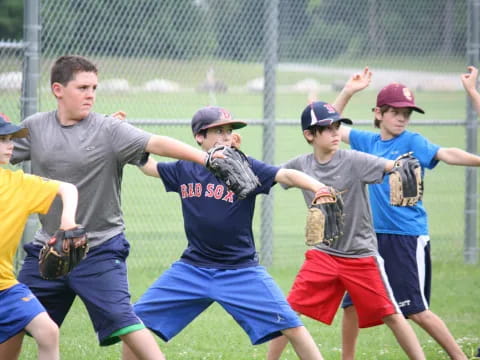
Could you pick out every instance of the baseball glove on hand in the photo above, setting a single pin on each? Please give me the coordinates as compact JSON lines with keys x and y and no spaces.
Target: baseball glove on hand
{"x":406,"y":185}
{"x":60,"y":255}
{"x":325,"y":218}
{"x":234,"y":169}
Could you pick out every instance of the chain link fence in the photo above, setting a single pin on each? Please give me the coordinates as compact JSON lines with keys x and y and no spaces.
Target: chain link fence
{"x":11,"y":60}
{"x":264,"y":60}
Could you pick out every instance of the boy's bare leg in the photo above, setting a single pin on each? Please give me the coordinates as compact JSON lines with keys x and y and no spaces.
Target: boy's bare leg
{"x":350,"y":332}
{"x":276,"y":347}
{"x":46,"y":334}
{"x":301,"y":340}
{"x":405,"y":335}
{"x":140,"y":345}
{"x":10,"y":349}
{"x":437,"y":329}
{"x":127,"y":354}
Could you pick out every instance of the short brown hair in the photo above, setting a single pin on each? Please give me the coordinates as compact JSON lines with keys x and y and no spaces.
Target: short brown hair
{"x":316,"y":129}
{"x":383,"y":109}
{"x":65,"y":68}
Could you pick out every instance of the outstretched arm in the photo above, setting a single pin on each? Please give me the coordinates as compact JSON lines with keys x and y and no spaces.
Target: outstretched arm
{"x":298,"y":179}
{"x":150,"y":168}
{"x":356,"y":83}
{"x":166,"y":146}
{"x":169,"y":147}
{"x":455,"y":156}
{"x":469,"y":81}
{"x":389,"y":166}
{"x":69,"y":195}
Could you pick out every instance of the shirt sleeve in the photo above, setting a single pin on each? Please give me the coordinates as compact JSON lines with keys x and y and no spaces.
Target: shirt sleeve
{"x":21,"y":147}
{"x":294,"y":164}
{"x":266,"y":175}
{"x":424,"y":151}
{"x":38,"y":192}
{"x":361,"y":140}
{"x":169,"y":174}
{"x":369,"y":168}
{"x":129,"y":142}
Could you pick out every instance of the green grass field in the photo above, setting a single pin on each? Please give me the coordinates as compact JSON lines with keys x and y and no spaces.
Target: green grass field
{"x":154,"y":228}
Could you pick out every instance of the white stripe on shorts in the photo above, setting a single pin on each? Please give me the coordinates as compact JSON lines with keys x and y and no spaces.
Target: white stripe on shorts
{"x":422,"y":242}
{"x":381,"y":267}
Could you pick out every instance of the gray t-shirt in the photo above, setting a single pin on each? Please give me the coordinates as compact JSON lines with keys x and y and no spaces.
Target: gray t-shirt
{"x":90,"y":154}
{"x":348,"y":171}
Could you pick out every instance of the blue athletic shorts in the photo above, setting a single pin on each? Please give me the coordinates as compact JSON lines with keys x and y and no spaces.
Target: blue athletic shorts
{"x":101,"y":282}
{"x":184,"y":291}
{"x":18,"y":306}
{"x":409,"y":270}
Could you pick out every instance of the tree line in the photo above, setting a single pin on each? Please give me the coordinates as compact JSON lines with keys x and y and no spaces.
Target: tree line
{"x":233,"y":29}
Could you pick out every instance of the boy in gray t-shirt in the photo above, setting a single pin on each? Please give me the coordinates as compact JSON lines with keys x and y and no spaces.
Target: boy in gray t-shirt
{"x":352,"y":262}
{"x":90,"y":150}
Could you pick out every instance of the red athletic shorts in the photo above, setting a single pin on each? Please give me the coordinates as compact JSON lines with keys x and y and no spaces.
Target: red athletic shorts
{"x":323,"y":279}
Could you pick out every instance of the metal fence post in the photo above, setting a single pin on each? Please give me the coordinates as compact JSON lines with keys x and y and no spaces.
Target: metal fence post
{"x":29,"y":99}
{"x":471,"y":174}
{"x":269,"y":92}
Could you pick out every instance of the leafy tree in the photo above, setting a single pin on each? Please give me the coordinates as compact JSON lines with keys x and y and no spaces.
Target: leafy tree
{"x":11,"y":19}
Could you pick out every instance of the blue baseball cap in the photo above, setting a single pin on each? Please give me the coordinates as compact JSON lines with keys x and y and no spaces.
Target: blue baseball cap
{"x":7,"y":128}
{"x":211,"y":116}
{"x":320,"y":113}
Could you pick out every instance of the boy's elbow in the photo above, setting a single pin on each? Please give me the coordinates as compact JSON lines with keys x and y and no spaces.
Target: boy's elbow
{"x":67,"y":188}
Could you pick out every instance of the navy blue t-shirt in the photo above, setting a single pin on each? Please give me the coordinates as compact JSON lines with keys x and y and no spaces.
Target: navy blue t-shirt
{"x":218,"y":225}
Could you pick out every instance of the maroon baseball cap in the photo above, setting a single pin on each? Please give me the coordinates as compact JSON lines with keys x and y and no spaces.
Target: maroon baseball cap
{"x":398,"y":96}
{"x":212,"y":116}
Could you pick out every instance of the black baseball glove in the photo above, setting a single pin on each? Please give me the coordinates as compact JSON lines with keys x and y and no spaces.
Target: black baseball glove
{"x":325,"y":218}
{"x":406,"y":184}
{"x":234,"y":170}
{"x":59,"y":256}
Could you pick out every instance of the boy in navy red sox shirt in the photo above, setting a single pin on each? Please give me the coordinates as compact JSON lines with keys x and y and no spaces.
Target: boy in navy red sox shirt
{"x":220,"y":262}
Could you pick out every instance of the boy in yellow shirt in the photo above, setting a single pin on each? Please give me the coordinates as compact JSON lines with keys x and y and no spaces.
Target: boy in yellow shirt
{"x":21,"y":195}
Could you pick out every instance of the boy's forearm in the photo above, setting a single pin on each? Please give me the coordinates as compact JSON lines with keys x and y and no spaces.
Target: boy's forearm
{"x":298,"y":179}
{"x":69,"y":195}
{"x":169,"y":147}
{"x":356,"y":83}
{"x":475,"y":96}
{"x":342,"y":100}
{"x":150,"y":168}
{"x":455,"y":156}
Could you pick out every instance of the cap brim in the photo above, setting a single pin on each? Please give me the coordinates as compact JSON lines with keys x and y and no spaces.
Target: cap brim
{"x":346,"y":121}
{"x":406,"y":105}
{"x":15,"y":131}
{"x":21,"y":133}
{"x":329,"y":121}
{"x":235,"y":124}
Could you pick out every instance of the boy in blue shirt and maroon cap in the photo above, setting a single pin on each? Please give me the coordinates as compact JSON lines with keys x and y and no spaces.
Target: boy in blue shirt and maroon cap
{"x":352,"y":262}
{"x":220,"y":262}
{"x":402,"y":232}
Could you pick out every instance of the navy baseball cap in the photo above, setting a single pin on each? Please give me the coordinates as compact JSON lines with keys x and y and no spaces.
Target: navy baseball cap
{"x":212,"y":116}
{"x":7,"y":128}
{"x":398,"y":96}
{"x":320,"y":113}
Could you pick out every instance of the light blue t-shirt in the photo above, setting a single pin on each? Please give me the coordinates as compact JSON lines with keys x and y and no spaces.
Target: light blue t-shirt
{"x":408,"y":220}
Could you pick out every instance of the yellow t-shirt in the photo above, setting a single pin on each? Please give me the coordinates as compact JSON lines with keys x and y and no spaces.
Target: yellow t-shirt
{"x":20,"y":195}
